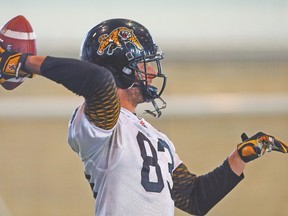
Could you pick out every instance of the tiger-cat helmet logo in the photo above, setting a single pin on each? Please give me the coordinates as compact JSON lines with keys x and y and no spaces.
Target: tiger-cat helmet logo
{"x":111,"y":42}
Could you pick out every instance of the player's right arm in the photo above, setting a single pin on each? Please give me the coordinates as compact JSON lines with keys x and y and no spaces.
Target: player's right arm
{"x":96,"y":84}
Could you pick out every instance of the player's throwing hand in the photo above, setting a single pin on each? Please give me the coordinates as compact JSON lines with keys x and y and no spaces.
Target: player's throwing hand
{"x":11,"y":64}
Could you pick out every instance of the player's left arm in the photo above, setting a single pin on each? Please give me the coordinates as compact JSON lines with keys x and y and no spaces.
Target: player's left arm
{"x":198,"y":194}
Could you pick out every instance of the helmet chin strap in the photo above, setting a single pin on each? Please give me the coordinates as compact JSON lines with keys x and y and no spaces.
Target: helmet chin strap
{"x":157,"y":112}
{"x":150,"y":94}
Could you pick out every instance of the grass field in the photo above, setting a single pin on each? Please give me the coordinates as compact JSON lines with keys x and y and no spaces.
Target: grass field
{"x":41,"y":175}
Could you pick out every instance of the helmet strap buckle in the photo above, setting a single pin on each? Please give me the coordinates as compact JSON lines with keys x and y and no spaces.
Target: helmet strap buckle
{"x":157,"y":112}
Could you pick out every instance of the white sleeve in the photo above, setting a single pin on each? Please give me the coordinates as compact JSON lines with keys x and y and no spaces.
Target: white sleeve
{"x":84,"y":137}
{"x":177,"y":161}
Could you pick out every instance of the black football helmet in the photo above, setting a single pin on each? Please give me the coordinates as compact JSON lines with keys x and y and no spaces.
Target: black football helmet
{"x":121,"y":45}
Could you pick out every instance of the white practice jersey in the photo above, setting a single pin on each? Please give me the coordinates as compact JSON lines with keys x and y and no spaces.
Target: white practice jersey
{"x":129,"y":167}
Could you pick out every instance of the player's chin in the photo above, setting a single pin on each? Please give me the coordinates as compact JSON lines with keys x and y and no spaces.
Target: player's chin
{"x":141,"y":101}
{"x":136,"y":95}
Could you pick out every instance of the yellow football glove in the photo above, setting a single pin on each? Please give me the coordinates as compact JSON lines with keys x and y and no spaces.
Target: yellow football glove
{"x":255,"y":146}
{"x":11,"y":64}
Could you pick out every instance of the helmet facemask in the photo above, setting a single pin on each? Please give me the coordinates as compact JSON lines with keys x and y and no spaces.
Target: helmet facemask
{"x":150,"y":79}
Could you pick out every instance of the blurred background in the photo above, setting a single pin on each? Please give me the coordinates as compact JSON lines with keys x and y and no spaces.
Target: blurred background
{"x":227,"y":69}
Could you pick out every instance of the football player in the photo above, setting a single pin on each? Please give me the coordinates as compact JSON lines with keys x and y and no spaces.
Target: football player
{"x":133,"y":169}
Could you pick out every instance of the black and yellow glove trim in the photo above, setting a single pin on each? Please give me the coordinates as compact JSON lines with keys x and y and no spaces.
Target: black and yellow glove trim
{"x":11,"y":65}
{"x":256,"y":146}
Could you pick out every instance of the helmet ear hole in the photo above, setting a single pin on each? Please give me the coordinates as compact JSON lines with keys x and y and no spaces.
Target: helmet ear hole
{"x":125,"y":81}
{"x":122,"y":79}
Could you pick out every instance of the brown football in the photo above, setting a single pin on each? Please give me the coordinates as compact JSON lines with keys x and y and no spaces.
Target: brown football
{"x":17,"y":35}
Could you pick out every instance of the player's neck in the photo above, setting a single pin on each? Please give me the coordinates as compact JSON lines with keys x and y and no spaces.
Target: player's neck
{"x":128,"y":106}
{"x":126,"y":101}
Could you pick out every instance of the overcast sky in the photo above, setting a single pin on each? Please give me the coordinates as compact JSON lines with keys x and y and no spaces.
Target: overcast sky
{"x":193,"y":23}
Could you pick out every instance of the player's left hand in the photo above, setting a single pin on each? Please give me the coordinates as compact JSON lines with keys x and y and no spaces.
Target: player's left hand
{"x":11,"y":64}
{"x":256,"y":146}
